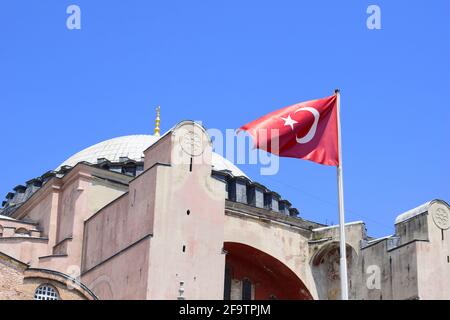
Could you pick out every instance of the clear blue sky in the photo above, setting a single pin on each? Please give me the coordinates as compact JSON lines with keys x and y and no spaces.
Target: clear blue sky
{"x":229,"y":62}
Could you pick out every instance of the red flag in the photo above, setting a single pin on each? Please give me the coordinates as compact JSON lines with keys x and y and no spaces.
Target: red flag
{"x":307,"y":130}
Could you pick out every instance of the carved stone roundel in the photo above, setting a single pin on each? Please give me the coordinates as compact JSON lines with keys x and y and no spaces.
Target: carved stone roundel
{"x":191,"y":143}
{"x":441,"y":217}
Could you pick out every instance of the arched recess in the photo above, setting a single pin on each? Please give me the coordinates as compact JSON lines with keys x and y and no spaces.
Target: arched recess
{"x":269,"y":277}
{"x":325,"y":270}
{"x":1,"y":231}
{"x":102,"y":287}
{"x":22,"y":232}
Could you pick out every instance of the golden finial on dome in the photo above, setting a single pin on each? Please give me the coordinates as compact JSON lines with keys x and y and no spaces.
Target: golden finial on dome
{"x":156,"y":132}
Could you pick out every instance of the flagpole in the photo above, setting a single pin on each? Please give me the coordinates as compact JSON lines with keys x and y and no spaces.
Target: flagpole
{"x":342,"y":244}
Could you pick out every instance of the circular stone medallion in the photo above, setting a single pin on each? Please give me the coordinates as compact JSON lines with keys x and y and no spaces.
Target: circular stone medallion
{"x":441,"y":216}
{"x":191,"y":143}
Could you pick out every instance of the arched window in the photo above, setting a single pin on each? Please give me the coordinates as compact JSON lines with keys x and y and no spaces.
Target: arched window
{"x":46,"y":292}
{"x":246,"y":289}
{"x":22,"y":232}
{"x":227,"y":285}
{"x":129,"y":170}
{"x":105,"y":166}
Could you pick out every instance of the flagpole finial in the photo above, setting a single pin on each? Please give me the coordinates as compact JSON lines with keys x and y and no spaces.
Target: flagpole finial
{"x":336,"y":91}
{"x":156,"y":132}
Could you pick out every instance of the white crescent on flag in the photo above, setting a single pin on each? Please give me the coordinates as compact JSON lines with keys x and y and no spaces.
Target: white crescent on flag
{"x":311,"y":133}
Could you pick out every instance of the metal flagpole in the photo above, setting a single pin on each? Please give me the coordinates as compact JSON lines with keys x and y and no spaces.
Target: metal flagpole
{"x":342,"y":247}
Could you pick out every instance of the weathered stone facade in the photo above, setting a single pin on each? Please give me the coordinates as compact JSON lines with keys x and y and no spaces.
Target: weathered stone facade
{"x":11,"y":279}
{"x":19,"y":282}
{"x":176,"y":224}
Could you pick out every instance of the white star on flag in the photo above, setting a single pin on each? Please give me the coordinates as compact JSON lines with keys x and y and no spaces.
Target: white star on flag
{"x":289,"y":121}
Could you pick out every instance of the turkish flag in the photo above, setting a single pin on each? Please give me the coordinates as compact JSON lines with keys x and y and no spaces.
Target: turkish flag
{"x":307,"y":130}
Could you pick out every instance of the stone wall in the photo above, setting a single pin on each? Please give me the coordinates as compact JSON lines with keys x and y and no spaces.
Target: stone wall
{"x":18,"y":282}
{"x":11,"y":279}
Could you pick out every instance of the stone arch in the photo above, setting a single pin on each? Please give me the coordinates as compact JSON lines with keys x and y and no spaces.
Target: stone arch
{"x":270,"y":277}
{"x":67,"y":287}
{"x":22,"y":232}
{"x":102,"y":287}
{"x":325,"y":269}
